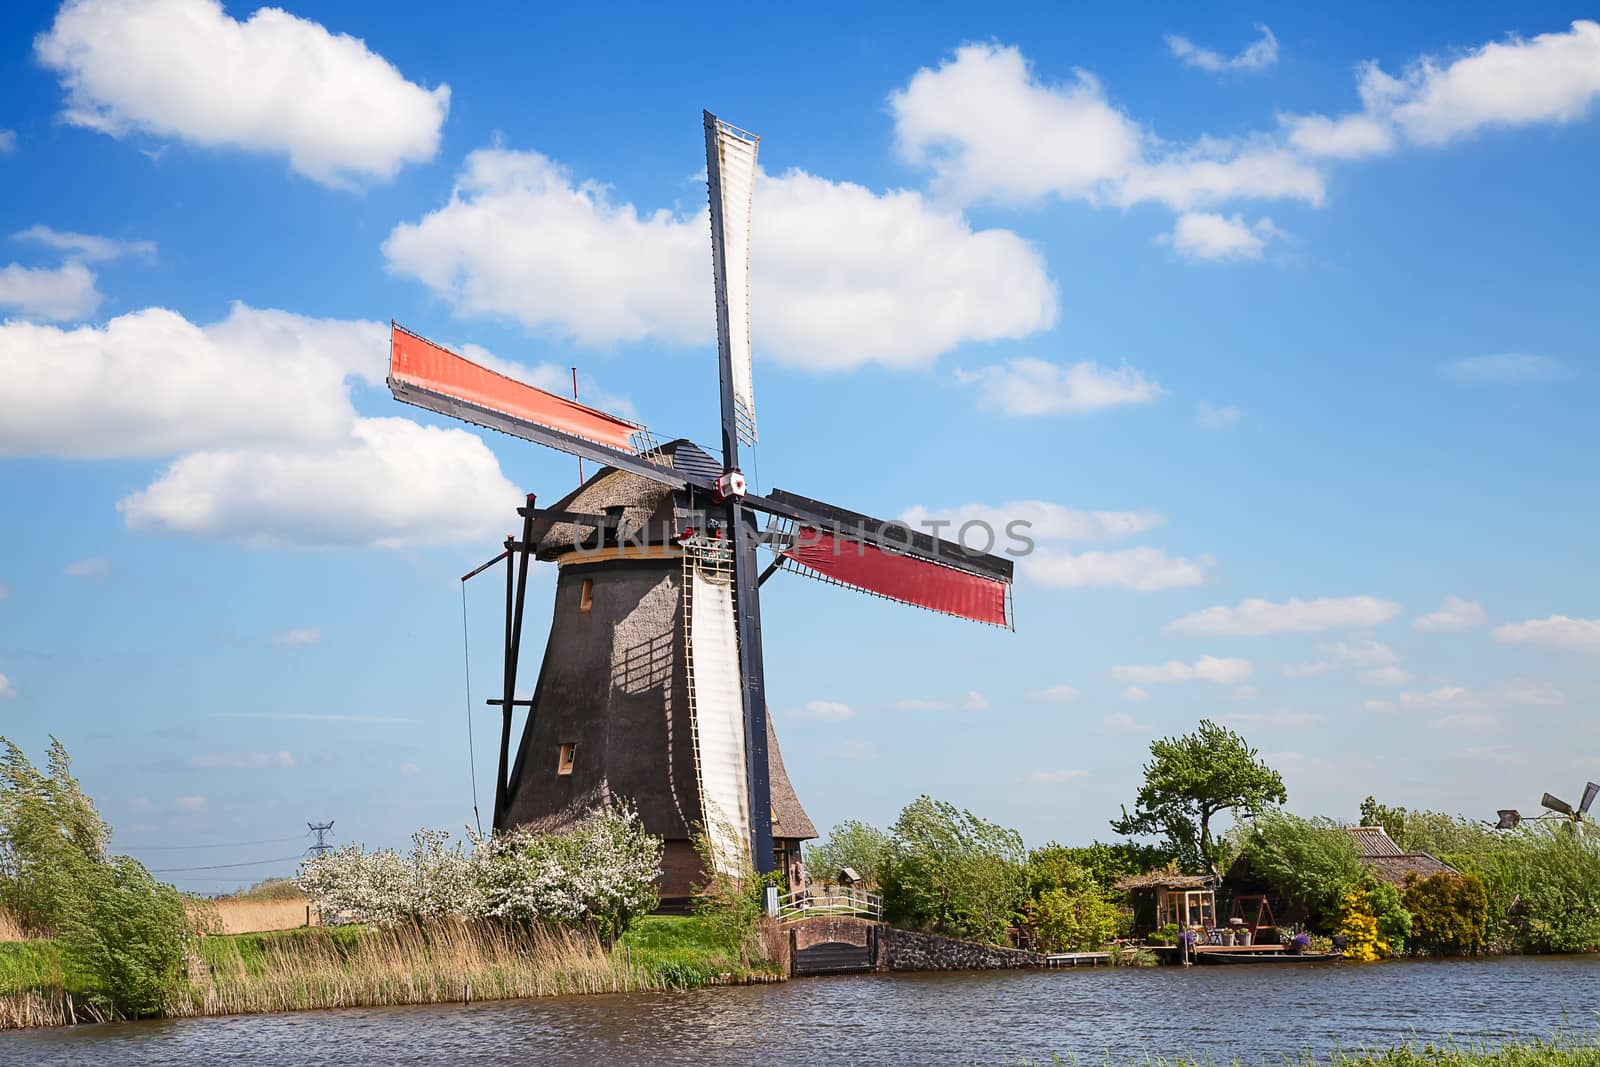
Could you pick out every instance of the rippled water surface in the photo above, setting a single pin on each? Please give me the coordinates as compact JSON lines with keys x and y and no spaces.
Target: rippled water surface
{"x":993,"y":1017}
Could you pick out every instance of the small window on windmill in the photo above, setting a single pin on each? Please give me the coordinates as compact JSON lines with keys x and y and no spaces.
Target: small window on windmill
{"x":586,"y":596}
{"x":564,"y":761}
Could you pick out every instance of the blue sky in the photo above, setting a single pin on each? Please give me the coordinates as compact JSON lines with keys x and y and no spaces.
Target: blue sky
{"x":1278,"y":323}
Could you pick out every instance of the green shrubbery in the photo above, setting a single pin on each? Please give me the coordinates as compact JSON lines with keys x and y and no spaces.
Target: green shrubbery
{"x":121,"y":933}
{"x":949,"y":872}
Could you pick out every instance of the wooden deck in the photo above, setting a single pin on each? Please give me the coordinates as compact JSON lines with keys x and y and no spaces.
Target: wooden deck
{"x":1075,"y":959}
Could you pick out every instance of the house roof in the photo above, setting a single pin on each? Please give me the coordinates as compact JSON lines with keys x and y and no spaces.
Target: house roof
{"x":645,"y":505}
{"x":1384,"y":858}
{"x":1163,"y":880}
{"x":789,"y":819}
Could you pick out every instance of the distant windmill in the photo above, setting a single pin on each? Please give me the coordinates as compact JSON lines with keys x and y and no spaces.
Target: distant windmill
{"x":1573,"y":815}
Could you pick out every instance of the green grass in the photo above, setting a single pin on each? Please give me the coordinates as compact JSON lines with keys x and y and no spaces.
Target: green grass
{"x":258,"y":950}
{"x":29,"y":965}
{"x":681,"y":951}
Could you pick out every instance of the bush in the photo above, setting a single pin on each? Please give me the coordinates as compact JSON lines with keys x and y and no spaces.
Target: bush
{"x":1358,"y":924}
{"x":123,"y":937}
{"x":1450,"y":913}
{"x":732,"y":902}
{"x":856,"y":845}
{"x":1067,"y":920}
{"x":952,"y":873}
{"x":1389,"y":909}
{"x":1310,"y":863}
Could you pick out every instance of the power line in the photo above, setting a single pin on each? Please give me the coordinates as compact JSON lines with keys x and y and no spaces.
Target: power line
{"x":231,"y":844}
{"x":226,"y":866}
{"x":321,"y":829}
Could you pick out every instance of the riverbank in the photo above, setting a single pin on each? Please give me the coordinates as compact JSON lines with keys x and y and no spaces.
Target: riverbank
{"x":346,"y":967}
{"x":1557,"y":1051}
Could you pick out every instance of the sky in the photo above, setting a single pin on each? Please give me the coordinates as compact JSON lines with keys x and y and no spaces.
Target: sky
{"x":1277,"y":323}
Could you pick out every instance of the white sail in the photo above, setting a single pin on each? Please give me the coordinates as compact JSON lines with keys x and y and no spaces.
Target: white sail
{"x":718,"y":707}
{"x":735,"y":161}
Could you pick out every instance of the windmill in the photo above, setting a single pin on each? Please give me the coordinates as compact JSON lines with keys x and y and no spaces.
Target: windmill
{"x":652,"y":685}
{"x":1555,"y":808}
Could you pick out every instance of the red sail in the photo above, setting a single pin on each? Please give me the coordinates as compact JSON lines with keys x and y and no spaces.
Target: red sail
{"x":419,"y":362}
{"x":904,"y":578}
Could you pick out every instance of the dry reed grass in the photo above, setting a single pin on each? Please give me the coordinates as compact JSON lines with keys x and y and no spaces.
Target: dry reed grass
{"x":9,"y":930}
{"x":440,"y":963}
{"x":248,"y":916}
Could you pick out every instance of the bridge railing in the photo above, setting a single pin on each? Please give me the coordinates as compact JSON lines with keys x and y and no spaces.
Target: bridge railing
{"x":833,"y":900}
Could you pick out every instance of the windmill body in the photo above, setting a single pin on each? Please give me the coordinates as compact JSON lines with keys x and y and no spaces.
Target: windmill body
{"x":652,"y":686}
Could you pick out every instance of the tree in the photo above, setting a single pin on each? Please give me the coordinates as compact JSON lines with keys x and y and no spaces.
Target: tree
{"x":1310,"y":863}
{"x":1189,"y":781}
{"x":953,"y":873}
{"x":50,"y":833}
{"x":1449,"y":912}
{"x":1393,"y":820}
{"x":856,"y":845}
{"x":124,"y":937}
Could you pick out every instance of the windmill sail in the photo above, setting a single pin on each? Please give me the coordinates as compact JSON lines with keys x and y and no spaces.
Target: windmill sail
{"x":716,"y":704}
{"x":890,"y":560}
{"x":731,"y":173}
{"x":431,"y":376}
{"x":1590,"y":791}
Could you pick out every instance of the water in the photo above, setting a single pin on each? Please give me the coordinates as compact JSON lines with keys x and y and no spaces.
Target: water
{"x":1253,"y":1013}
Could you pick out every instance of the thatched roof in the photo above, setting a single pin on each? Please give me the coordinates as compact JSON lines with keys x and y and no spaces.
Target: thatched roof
{"x":1163,"y":880}
{"x":645,"y":505}
{"x":789,"y":819}
{"x":1384,"y":858}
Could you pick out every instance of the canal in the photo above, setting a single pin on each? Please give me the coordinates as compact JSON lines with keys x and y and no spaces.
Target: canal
{"x":1220,"y":1013}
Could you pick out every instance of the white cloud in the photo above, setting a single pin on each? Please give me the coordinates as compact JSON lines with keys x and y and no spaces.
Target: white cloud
{"x":1304,"y":670}
{"x":1454,"y":614}
{"x":1030,"y":386}
{"x":990,"y":129}
{"x":150,"y":383}
{"x":1434,"y":698}
{"x":1210,"y":237}
{"x":1058,"y":694}
{"x":1395,"y":676}
{"x":1055,"y":777}
{"x":56,"y":294}
{"x":92,"y":570}
{"x":1258,"y":55}
{"x":1213,"y":417}
{"x":1553,"y":78}
{"x":273,"y":84}
{"x":243,"y":760}
{"x":8,"y":689}
{"x":298,"y":637}
{"x":521,"y":238}
{"x":8,"y":142}
{"x":1368,"y":653}
{"x":975,"y":701}
{"x":1204,"y":669}
{"x":823,"y":711}
{"x":1045,"y":521}
{"x":1378,"y":705}
{"x":1294,"y":719}
{"x":1511,"y":368}
{"x":391,"y":483}
{"x":408,"y":769}
{"x":86,"y":246}
{"x":1134,"y":693}
{"x":1122,"y":722}
{"x":1255,"y":617}
{"x":191,"y":803}
{"x":1558,"y":631}
{"x":921,"y":705}
{"x":1142,"y":569}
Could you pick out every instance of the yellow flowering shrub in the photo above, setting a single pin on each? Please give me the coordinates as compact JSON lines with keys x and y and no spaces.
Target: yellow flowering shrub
{"x":1360,"y":929}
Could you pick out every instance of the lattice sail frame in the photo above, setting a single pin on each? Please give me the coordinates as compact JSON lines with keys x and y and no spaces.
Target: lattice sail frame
{"x":735,"y":163}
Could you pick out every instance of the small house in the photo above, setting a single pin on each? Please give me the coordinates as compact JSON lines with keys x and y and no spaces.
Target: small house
{"x":1388,"y":863}
{"x":1162,"y":897}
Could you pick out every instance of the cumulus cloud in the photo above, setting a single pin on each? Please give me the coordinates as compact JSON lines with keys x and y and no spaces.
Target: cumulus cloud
{"x":272,"y":84}
{"x":1511,"y":368}
{"x":522,"y":238}
{"x":1258,"y":55}
{"x":92,"y":570}
{"x":1395,"y":676}
{"x":151,"y":383}
{"x":1143,"y":569}
{"x":1213,"y":417}
{"x":1055,"y":777}
{"x":56,"y":294}
{"x":298,"y":637}
{"x":390,"y":483}
{"x":1058,"y":694}
{"x":1557,"y":631}
{"x":988,"y":128}
{"x":823,"y":711}
{"x":1134,"y":693}
{"x":86,"y":246}
{"x":242,"y":760}
{"x":1204,"y":236}
{"x":975,"y":701}
{"x":1254,"y":617}
{"x":1366,"y":653}
{"x":1454,"y":614}
{"x":1551,"y":79}
{"x":1045,"y":521}
{"x":1030,"y":386}
{"x":8,"y":689}
{"x":1204,"y":669}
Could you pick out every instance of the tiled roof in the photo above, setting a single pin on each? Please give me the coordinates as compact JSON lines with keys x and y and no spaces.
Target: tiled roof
{"x":1373,"y":841}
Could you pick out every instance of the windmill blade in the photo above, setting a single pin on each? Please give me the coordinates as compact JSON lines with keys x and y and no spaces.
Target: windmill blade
{"x":1555,"y":803}
{"x":731,"y":179}
{"x":1590,"y":791}
{"x":889,"y":559}
{"x":428,"y":375}
{"x":1509,"y":818}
